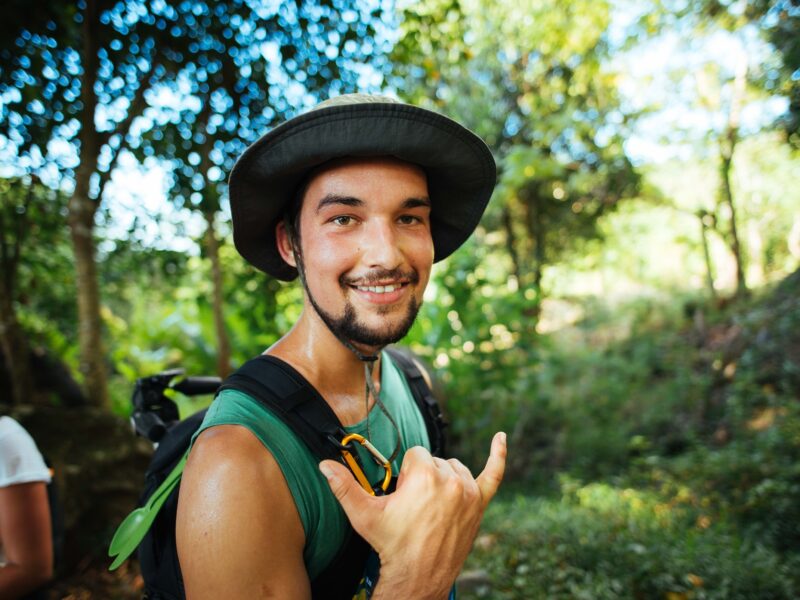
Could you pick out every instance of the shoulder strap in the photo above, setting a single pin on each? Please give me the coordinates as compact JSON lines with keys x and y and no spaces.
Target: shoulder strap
{"x":286,"y":392}
{"x":297,"y":403}
{"x":435,"y":422}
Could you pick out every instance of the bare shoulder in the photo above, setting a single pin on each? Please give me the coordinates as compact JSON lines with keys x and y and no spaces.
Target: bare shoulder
{"x":238,"y":530}
{"x":226,"y":447}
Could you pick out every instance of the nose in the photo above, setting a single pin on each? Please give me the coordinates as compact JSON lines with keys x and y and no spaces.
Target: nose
{"x":381,"y":245}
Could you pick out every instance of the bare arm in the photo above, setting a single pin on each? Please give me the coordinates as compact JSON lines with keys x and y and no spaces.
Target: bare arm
{"x":238,"y":531}
{"x":424,"y":531}
{"x":26,"y":538}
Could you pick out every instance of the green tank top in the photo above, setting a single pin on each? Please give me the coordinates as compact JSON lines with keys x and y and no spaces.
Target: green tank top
{"x":324,"y":521}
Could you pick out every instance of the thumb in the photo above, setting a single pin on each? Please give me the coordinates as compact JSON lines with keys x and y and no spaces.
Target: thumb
{"x":489,"y":480}
{"x":354,"y":499}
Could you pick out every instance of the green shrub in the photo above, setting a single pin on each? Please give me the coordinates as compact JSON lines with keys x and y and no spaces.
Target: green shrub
{"x":598,"y":541}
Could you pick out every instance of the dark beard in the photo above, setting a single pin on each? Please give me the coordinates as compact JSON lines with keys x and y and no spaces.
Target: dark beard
{"x":348,"y":327}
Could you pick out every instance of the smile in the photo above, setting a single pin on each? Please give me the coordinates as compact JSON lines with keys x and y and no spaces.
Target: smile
{"x":379,"y":289}
{"x":387,"y":293}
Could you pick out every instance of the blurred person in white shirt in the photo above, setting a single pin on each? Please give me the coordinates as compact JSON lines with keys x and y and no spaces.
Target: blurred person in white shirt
{"x":26,"y":545}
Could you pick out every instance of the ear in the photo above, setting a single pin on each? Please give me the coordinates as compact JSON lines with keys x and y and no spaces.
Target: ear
{"x":284,"y":242}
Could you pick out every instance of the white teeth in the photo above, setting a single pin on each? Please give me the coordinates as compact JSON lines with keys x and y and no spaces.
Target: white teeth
{"x":378,"y":289}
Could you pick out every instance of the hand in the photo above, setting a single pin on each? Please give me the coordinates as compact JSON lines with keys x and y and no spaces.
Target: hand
{"x":424,"y":531}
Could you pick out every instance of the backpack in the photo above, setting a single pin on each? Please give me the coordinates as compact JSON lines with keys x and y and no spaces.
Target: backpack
{"x":291,"y":398}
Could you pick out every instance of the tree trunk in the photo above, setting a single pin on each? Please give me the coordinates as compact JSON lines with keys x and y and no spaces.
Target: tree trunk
{"x":82,"y":209}
{"x":536,"y":234}
{"x":511,"y":243}
{"x":92,"y":361}
{"x":727,"y":200}
{"x":15,"y":350}
{"x":538,"y":253}
{"x":727,"y":147}
{"x":703,"y":216}
{"x":223,"y":343}
{"x":12,"y":339}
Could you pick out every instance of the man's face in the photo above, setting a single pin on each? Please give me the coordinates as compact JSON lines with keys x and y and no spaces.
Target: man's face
{"x":366,"y":247}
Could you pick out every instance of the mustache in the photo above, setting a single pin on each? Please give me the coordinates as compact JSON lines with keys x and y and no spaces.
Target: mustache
{"x":377,"y":275}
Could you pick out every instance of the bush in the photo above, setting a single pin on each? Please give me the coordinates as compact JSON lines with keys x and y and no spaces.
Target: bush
{"x":597,"y":541}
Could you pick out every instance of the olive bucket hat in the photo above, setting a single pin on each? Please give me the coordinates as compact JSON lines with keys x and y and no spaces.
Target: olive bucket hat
{"x":459,"y":166}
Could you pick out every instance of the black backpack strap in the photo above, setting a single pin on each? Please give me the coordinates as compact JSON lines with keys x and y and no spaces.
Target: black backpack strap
{"x":435,"y":422}
{"x":297,"y":403}
{"x":289,"y":396}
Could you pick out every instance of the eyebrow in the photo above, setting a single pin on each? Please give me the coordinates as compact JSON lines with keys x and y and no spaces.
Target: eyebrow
{"x":331,"y":199}
{"x":416,"y":202}
{"x":337,"y":199}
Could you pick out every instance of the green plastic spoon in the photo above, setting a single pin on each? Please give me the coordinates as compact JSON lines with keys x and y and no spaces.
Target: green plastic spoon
{"x":134,"y":527}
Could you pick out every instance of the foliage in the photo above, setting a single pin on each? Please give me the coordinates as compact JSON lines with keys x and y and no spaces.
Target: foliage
{"x":779,"y":22}
{"x":675,"y":458}
{"x":252,"y":67}
{"x":764,"y":168}
{"x":783,"y":27}
{"x":654,"y":434}
{"x":190,"y":82}
{"x":599,"y":541}
{"x":532,"y":80}
{"x":32,"y":218}
{"x":165,"y":62}
{"x":721,"y":82}
{"x":749,"y":470}
{"x":160,"y":316}
{"x":546,"y":104}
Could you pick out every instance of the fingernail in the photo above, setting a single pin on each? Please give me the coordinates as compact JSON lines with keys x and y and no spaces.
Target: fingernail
{"x":326,"y":470}
{"x":503,"y":437}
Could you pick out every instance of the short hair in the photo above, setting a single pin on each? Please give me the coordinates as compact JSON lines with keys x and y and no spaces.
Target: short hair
{"x":291,"y":216}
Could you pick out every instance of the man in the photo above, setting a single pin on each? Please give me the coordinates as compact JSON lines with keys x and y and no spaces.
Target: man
{"x":358,"y":197}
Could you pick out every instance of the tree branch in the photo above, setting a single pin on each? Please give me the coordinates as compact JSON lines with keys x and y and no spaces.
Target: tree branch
{"x":10,"y":250}
{"x":22,"y":224}
{"x":105,"y":176}
{"x":136,"y":108}
{"x":3,"y":247}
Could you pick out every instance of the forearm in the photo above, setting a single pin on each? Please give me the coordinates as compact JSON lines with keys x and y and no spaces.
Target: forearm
{"x":26,"y":538}
{"x":421,"y":575}
{"x":403,"y":585}
{"x":17,"y":580}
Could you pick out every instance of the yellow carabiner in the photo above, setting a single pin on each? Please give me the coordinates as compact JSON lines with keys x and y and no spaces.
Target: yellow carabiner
{"x":377,"y":457}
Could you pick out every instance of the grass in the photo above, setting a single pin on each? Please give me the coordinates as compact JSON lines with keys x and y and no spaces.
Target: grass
{"x":598,"y":541}
{"x":663,"y":463}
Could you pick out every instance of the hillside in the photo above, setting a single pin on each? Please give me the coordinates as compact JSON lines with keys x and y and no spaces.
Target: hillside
{"x":662,"y":465}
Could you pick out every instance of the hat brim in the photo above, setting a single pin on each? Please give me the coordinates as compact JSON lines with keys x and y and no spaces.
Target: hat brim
{"x":460,"y":169}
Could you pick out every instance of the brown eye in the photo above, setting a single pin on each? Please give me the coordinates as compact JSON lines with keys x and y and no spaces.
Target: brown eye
{"x":342,"y":221}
